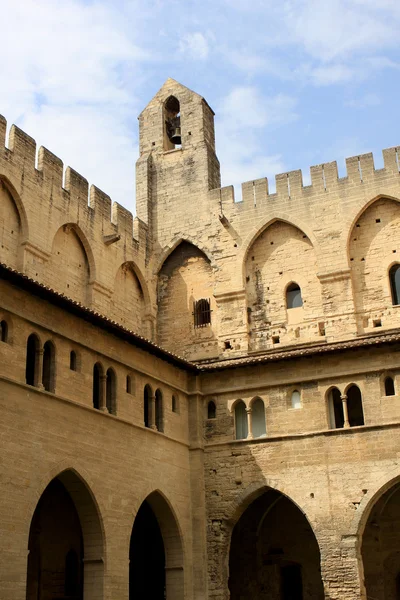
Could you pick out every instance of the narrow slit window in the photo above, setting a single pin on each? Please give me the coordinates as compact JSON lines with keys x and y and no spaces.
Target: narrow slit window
{"x":296,"y":399}
{"x":32,"y":360}
{"x":202,"y":313}
{"x":159,"y":410}
{"x":97,"y":374}
{"x":389,"y":387}
{"x":111,"y":392}
{"x":48,"y":377}
{"x":211,"y":410}
{"x":72,"y":360}
{"x":4,"y":331}
{"x":241,"y":428}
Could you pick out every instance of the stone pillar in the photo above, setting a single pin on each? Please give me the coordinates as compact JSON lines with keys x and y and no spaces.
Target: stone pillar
{"x":342,"y":572}
{"x":249,"y":424}
{"x":152,"y":413}
{"x":103,"y":393}
{"x":39,"y":369}
{"x":346,"y":423}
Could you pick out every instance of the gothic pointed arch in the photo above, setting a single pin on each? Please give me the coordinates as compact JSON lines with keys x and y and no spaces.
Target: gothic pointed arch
{"x":66,"y":541}
{"x":130,"y":298}
{"x":280,"y":262}
{"x":373,"y":252}
{"x":156,"y":554}
{"x":13,"y":224}
{"x":185,"y":288}
{"x":71,"y":264}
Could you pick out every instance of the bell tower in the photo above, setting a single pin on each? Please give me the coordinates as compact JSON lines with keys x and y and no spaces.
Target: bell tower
{"x":177,"y":165}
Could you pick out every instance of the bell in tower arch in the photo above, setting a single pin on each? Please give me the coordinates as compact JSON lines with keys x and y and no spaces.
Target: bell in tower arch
{"x":173,"y":121}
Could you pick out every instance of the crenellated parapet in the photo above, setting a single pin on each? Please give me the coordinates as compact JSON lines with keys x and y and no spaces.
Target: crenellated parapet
{"x":43,"y":199}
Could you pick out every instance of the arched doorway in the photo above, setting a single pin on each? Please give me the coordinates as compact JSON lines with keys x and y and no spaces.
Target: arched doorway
{"x":155,"y":553}
{"x":65,"y":548}
{"x":274,"y":554}
{"x":380,"y":547}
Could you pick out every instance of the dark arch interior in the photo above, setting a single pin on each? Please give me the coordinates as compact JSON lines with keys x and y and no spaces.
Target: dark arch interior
{"x":55,"y":559}
{"x":274,"y":554}
{"x":146,"y":557}
{"x":380,"y":548}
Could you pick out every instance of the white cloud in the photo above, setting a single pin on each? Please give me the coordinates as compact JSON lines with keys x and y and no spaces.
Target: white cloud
{"x":246,"y":106}
{"x":244,"y":117}
{"x":64,"y":86}
{"x":194,"y":45}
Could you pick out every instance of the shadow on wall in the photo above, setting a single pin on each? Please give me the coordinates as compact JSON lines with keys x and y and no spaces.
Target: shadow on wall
{"x":186,"y":318}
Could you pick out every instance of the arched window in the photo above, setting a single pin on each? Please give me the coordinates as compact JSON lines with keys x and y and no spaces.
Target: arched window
{"x":48,"y":378}
{"x":4,"y":331}
{"x":202,"y":313}
{"x":241,"y":428}
{"x":259,"y":428}
{"x":32,"y":360}
{"x":211,"y":410}
{"x":389,"y":386}
{"x":111,"y":392}
{"x":97,"y":374}
{"x":147,"y":395}
{"x":354,"y":406}
{"x":394,"y":277}
{"x":159,"y":420}
{"x":293,"y":296}
{"x":128,"y":384}
{"x":175,"y":403}
{"x":172,"y":118}
{"x":296,"y":399}
{"x":72,"y":360}
{"x":72,"y":575}
{"x":336,"y":415}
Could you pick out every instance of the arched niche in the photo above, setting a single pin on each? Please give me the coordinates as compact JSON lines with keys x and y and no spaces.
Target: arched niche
{"x":373,"y":248}
{"x":273,"y":551}
{"x":128,"y":301}
{"x":69,"y":266}
{"x":280,"y":255}
{"x":65,"y":548}
{"x":10,"y":227}
{"x":156,"y":559}
{"x":185,"y":278}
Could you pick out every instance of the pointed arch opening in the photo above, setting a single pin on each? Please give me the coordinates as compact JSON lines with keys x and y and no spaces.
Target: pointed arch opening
{"x":156,"y":561}
{"x":274,"y":552}
{"x":355,"y":406}
{"x":11,"y":224}
{"x":65,"y":547}
{"x":186,"y":315}
{"x":172,"y":123}
{"x":380,"y":546}
{"x":373,"y":244}
{"x":73,"y":263}
{"x":280,"y":271}
{"x":335,"y":409}
{"x":130,"y":297}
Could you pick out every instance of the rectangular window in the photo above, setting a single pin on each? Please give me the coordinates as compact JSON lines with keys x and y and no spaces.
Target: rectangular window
{"x":202,"y":313}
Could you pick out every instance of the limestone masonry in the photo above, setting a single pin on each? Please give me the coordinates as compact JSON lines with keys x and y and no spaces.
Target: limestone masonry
{"x":201,"y":402}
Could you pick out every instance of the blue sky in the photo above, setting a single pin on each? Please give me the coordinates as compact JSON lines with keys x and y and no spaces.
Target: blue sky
{"x":293,"y":83}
